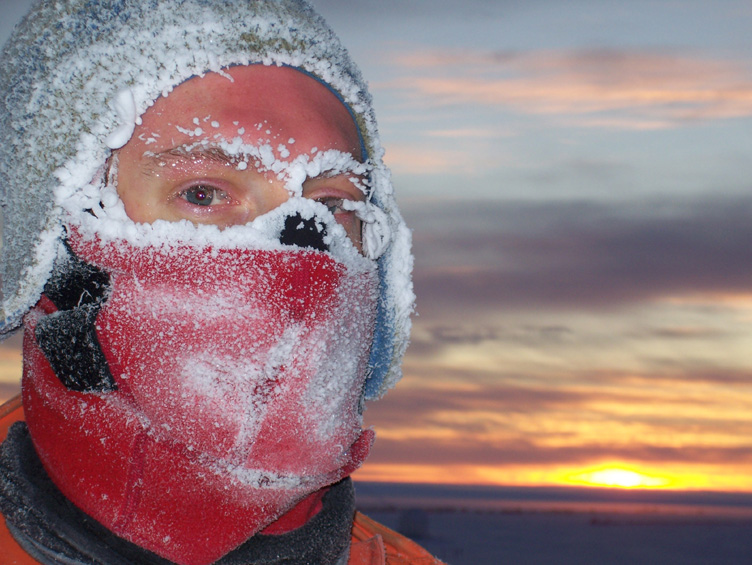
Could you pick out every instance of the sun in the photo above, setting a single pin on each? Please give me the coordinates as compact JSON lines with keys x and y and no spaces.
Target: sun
{"x":617,"y":477}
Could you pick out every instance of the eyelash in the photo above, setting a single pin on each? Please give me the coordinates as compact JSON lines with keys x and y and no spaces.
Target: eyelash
{"x":333,"y":204}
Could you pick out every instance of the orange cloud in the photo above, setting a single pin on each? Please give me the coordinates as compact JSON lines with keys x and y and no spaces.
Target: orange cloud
{"x":411,"y":159}
{"x":629,"y":90}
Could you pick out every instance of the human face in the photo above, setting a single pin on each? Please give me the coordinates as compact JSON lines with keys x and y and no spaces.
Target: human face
{"x":173,"y":169}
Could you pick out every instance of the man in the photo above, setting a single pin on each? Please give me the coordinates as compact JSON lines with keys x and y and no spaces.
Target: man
{"x":203,"y":249}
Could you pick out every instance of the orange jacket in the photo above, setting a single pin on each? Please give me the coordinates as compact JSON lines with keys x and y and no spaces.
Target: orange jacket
{"x":371,"y":543}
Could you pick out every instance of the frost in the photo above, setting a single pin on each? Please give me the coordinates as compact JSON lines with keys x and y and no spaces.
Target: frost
{"x":125,"y":108}
{"x":283,"y":151}
{"x":190,"y":132}
{"x":376,"y":232}
{"x":149,"y":140}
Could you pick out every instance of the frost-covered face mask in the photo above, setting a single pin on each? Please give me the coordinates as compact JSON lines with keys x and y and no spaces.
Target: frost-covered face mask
{"x":186,"y":385}
{"x":193,"y":394}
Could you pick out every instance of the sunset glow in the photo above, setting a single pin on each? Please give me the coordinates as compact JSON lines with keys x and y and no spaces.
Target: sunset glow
{"x":700,"y":478}
{"x":618,"y":477}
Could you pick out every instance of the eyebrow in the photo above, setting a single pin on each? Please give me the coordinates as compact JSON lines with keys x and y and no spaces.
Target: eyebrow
{"x":154,"y":162}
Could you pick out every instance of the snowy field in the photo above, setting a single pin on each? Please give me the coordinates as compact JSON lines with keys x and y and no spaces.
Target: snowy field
{"x":566,"y":526}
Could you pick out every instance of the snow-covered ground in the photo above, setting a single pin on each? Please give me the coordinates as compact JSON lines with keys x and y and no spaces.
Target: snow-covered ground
{"x":567,"y":526}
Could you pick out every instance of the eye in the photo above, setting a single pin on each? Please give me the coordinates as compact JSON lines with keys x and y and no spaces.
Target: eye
{"x":334,"y":205}
{"x":204,"y":195}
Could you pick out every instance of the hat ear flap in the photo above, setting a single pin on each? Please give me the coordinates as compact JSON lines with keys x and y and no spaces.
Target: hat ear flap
{"x":68,"y":335}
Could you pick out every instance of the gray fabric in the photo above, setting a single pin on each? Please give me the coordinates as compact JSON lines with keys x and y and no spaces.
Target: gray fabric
{"x":53,"y":531}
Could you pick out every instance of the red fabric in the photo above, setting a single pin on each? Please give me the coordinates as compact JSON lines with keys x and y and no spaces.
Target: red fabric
{"x":145,"y":460}
{"x":299,"y":515}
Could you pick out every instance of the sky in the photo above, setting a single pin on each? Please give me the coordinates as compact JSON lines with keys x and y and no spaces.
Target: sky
{"x":577,"y":179}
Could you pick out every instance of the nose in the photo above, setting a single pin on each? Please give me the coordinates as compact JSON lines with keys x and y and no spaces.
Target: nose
{"x":254,"y":194}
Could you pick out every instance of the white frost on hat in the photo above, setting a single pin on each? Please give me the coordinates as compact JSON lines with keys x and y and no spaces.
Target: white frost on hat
{"x":125,"y":108}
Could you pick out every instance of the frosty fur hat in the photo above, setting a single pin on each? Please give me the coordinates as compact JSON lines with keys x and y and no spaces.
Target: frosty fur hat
{"x":75,"y":76}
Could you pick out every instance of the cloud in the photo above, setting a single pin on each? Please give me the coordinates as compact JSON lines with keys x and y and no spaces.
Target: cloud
{"x":465,"y":133}
{"x":604,"y":87}
{"x":425,"y":160}
{"x":13,"y":341}
{"x":682,"y":332}
{"x":446,"y":396}
{"x":424,"y":404}
{"x":688,"y":372}
{"x":429,"y":338}
{"x":415,"y":160}
{"x":8,"y":391}
{"x":512,"y":423}
{"x":473,"y":257}
{"x":420,"y":10}
{"x":471,"y":451}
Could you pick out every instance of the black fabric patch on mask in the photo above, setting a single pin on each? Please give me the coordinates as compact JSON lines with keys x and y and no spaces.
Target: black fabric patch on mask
{"x":74,"y":282}
{"x":69,"y":341}
{"x":68,"y":337}
{"x":303,"y":233}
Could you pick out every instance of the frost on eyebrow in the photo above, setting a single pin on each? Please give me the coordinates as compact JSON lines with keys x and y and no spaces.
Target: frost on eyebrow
{"x":150,"y":138}
{"x":264,"y":158}
{"x":328,"y":163}
{"x":153,"y":163}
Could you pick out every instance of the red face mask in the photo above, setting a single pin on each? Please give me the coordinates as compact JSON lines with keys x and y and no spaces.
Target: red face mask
{"x":237,"y":387}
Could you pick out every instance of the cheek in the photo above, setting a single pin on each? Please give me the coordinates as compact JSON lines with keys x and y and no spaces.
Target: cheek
{"x":142,"y":202}
{"x":137,"y":196}
{"x":134,"y":198}
{"x":354,"y":228}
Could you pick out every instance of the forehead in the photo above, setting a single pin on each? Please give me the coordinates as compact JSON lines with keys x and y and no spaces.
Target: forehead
{"x":262,"y":105}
